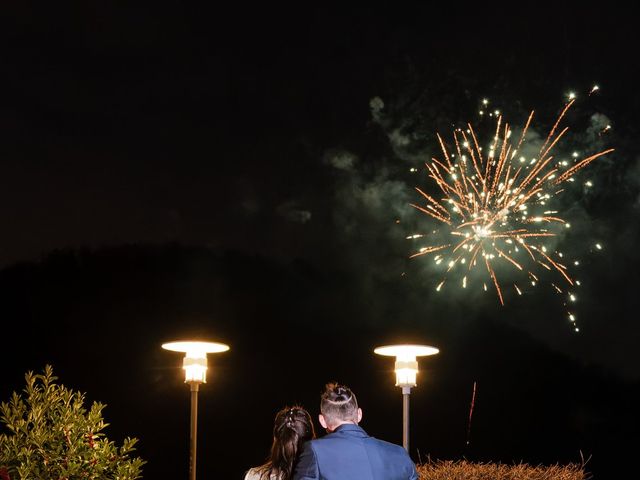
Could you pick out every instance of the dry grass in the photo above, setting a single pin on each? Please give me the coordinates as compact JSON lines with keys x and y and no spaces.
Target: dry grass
{"x":464,"y":470}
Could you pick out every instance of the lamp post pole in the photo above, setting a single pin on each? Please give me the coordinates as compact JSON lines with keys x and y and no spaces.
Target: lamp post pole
{"x":193,"y":437}
{"x":195,"y":371}
{"x":406,"y":391}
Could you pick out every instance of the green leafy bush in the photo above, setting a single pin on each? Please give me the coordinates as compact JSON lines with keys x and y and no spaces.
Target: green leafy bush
{"x":48,"y":434}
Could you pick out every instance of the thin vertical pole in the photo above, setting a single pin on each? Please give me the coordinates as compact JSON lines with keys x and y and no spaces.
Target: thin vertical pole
{"x":405,"y":417}
{"x":194,"y":430}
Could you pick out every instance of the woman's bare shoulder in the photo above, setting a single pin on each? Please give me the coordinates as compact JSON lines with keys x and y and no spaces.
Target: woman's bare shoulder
{"x":255,"y":474}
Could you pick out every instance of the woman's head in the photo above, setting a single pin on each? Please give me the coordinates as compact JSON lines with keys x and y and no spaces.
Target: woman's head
{"x":292,"y":427}
{"x":293,"y":419}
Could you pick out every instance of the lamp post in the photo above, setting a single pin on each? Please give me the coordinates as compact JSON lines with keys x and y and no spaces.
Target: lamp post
{"x":406,"y":368}
{"x":195,"y":369}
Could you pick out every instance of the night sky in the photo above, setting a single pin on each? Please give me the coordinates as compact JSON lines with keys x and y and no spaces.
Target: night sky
{"x":243,"y":174}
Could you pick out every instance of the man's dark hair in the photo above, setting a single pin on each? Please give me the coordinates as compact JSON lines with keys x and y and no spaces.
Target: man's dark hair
{"x":338,"y":404}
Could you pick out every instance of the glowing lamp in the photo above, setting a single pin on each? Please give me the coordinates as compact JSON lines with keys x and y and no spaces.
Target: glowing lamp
{"x":195,"y":373}
{"x":406,"y":368}
{"x":195,"y":358}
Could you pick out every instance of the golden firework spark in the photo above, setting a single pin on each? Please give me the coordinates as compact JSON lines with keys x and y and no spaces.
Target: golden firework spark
{"x":494,"y":205}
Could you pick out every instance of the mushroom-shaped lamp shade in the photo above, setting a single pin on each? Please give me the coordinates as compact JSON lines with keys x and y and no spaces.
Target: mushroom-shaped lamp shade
{"x":195,"y":359}
{"x":406,"y":366}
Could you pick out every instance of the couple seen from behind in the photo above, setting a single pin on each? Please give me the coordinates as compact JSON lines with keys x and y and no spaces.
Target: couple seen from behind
{"x":347,"y":452}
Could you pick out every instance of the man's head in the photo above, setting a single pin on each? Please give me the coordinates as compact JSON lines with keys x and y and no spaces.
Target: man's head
{"x":338,"y":405}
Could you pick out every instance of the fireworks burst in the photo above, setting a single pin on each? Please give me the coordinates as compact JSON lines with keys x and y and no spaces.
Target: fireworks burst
{"x":494,"y":205}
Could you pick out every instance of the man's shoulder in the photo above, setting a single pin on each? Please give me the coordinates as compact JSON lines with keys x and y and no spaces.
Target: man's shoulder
{"x":318,"y":442}
{"x":344,"y":432}
{"x":328,"y":440}
{"x":393,"y":447}
{"x":331,"y":441}
{"x":354,"y":453}
{"x":391,"y":451}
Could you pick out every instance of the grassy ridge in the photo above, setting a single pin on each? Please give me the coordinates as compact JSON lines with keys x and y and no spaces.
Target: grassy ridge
{"x":464,"y":470}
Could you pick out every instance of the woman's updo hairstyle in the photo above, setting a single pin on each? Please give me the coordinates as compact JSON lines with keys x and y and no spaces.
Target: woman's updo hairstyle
{"x":291,"y":428}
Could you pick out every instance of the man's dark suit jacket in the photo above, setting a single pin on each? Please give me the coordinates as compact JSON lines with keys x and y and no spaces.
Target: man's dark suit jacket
{"x":349,"y":453}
